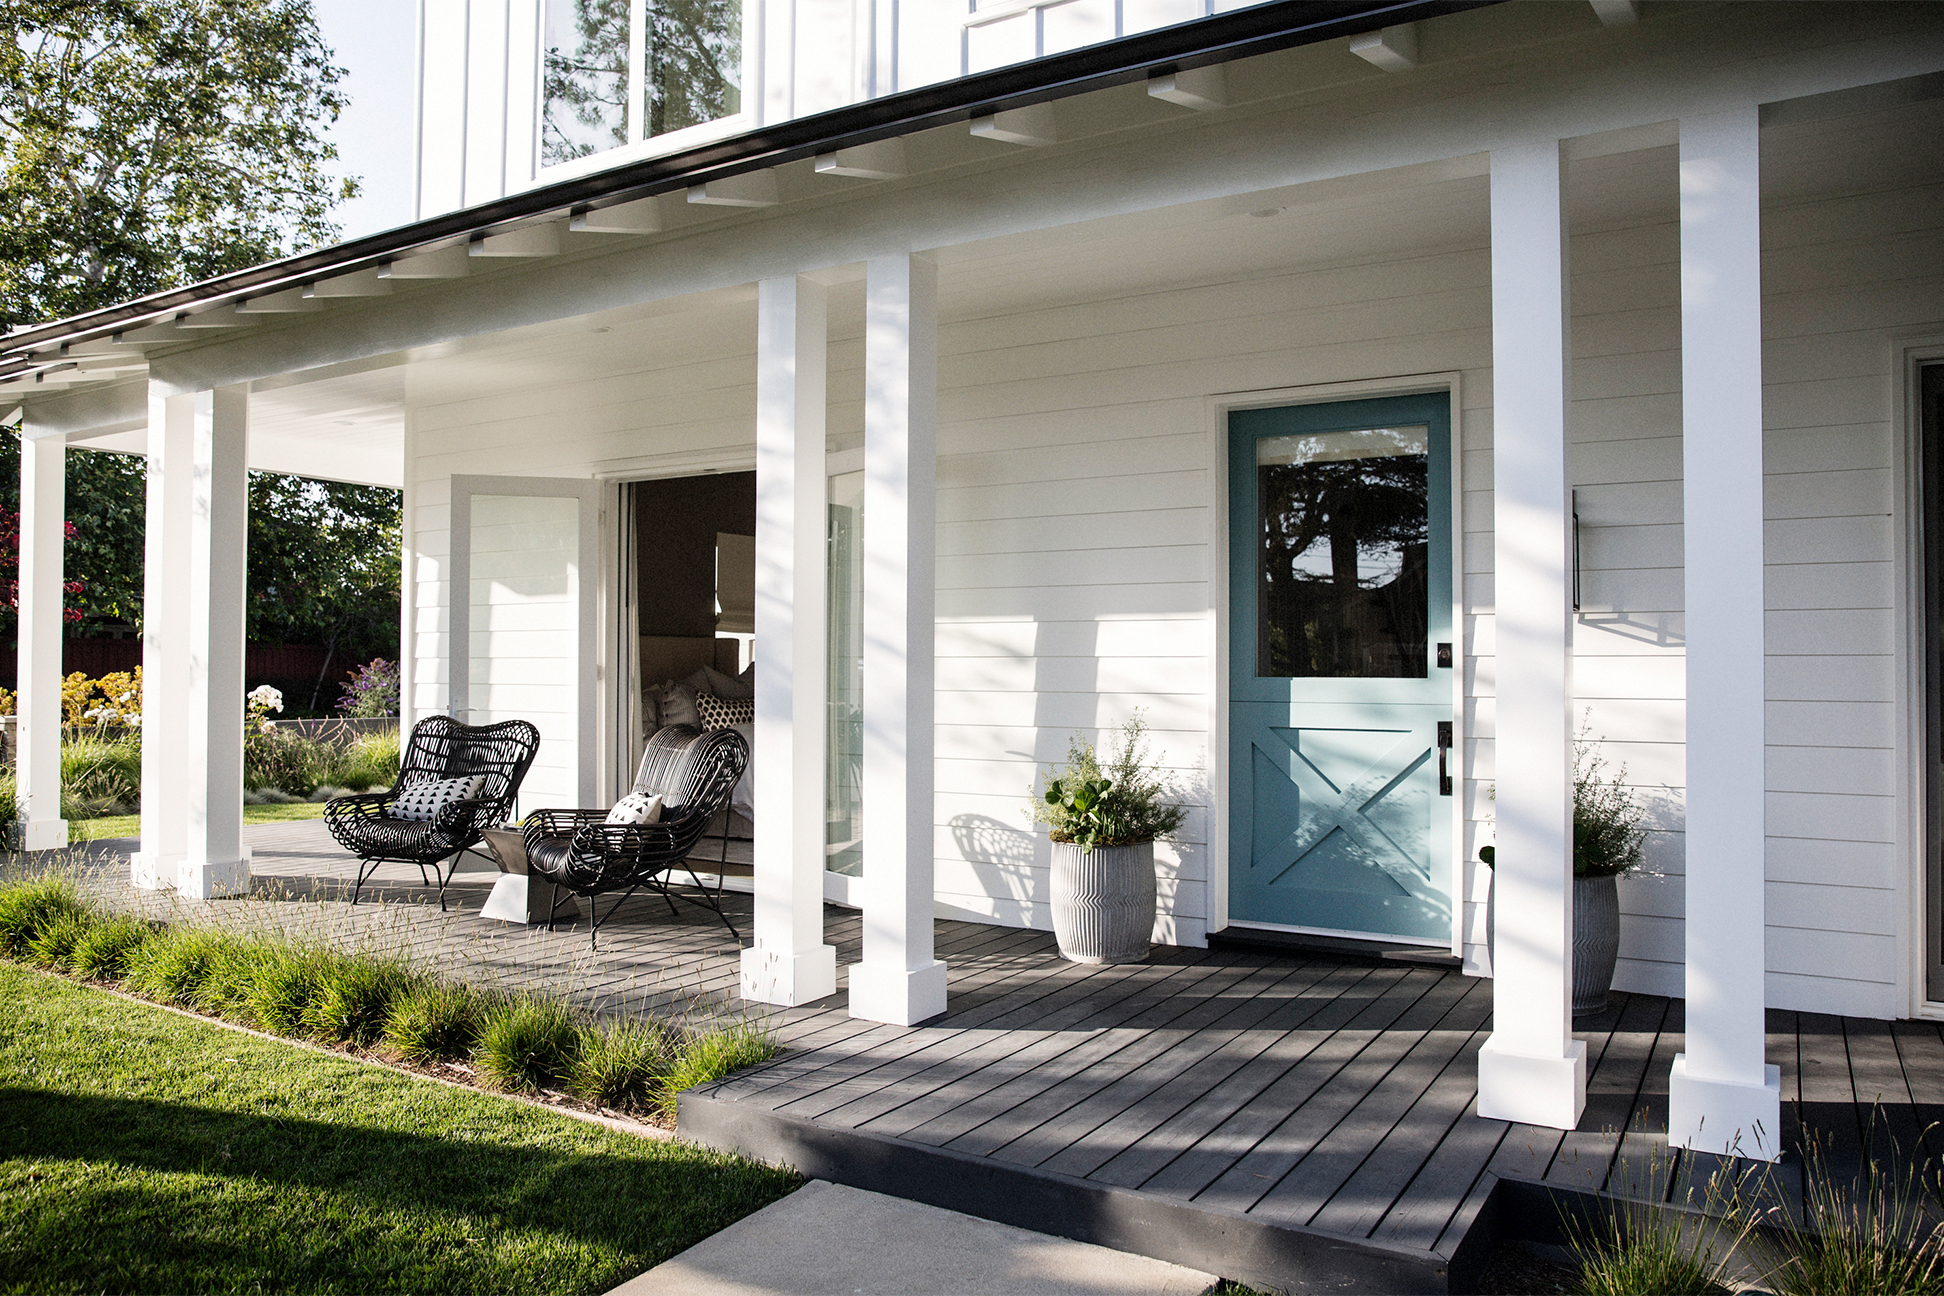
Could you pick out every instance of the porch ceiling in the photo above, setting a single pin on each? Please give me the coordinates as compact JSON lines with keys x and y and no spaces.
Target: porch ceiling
{"x":338,"y":418}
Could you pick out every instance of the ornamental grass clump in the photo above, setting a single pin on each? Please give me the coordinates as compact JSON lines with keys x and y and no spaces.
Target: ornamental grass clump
{"x":53,"y":944}
{"x":1867,"y":1232}
{"x":621,"y":1064}
{"x":1122,"y":803}
{"x":370,"y":762}
{"x":27,"y":907}
{"x":106,"y":949}
{"x":435,"y":1021}
{"x":285,"y":987}
{"x":1647,"y":1248}
{"x":713,"y":1054}
{"x":173,"y":966}
{"x":354,"y":997}
{"x":100,"y":776}
{"x":527,"y":1043}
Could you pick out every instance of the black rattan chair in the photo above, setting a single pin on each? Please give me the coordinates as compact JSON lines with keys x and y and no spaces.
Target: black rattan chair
{"x":440,"y":748}
{"x":579,"y":852}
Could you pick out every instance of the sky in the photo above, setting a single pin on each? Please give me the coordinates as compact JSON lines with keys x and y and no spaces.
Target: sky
{"x":375,"y":41}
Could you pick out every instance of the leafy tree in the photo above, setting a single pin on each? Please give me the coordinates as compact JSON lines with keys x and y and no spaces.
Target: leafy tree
{"x":324,"y":567}
{"x":146,"y":144}
{"x":103,"y":553}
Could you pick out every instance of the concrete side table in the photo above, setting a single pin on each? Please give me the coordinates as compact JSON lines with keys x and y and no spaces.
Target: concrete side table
{"x":514,"y":899}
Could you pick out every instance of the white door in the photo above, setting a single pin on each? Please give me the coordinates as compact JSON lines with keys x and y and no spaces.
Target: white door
{"x":525,"y":611}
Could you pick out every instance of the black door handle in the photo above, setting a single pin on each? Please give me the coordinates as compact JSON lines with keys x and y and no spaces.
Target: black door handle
{"x":1444,"y":749}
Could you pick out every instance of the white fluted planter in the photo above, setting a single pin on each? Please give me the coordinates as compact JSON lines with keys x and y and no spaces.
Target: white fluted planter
{"x":1103,"y":902}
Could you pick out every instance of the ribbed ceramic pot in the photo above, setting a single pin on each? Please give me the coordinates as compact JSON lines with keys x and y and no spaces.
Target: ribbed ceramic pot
{"x":1596,"y":941}
{"x":1103,"y":902}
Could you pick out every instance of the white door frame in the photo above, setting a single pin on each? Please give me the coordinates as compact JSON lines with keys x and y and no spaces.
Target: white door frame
{"x":1217,"y":409}
{"x":588,"y":583}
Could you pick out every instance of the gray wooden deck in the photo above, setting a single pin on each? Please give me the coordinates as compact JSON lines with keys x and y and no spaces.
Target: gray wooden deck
{"x":1329,"y":1102}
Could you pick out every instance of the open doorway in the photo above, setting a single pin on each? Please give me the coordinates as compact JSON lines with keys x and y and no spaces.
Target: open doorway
{"x":692,"y":545}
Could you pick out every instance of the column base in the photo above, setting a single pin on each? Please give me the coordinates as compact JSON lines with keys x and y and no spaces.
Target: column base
{"x":1549,"y":1091}
{"x":1725,"y":1117}
{"x":900,"y":996}
{"x":43,"y":834}
{"x":202,"y":880}
{"x":788,"y":980}
{"x":153,"y":871}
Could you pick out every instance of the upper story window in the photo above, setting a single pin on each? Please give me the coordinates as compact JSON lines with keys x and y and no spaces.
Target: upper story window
{"x":616,"y":72}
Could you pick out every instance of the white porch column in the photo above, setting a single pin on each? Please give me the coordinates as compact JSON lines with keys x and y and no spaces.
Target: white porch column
{"x":789,"y":963}
{"x":899,"y":981}
{"x":43,"y":530}
{"x":1722,"y":1096}
{"x":1532,"y":1069}
{"x":165,"y":642}
{"x":214,"y":862}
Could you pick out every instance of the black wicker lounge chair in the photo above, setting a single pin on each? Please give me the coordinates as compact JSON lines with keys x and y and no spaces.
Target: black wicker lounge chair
{"x":441,"y":748}
{"x":579,"y":852}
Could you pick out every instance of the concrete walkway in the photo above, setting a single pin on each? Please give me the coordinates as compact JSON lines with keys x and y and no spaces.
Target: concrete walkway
{"x":828,"y":1240}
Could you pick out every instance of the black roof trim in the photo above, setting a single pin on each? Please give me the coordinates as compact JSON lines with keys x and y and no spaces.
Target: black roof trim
{"x":1226,"y":37}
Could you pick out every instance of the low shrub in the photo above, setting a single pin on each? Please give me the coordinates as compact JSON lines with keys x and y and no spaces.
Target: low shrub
{"x":527,"y":1043}
{"x":621,"y":1064}
{"x":105,"y":949}
{"x":27,"y":907}
{"x":355,"y":993}
{"x":713,"y":1054}
{"x":435,"y":1021}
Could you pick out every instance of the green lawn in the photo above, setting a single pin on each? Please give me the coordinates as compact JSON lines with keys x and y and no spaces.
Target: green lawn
{"x":143,"y":1151}
{"x":131,"y":825}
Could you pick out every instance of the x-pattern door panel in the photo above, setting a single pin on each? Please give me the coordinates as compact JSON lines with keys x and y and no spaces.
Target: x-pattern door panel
{"x":1341,"y":825}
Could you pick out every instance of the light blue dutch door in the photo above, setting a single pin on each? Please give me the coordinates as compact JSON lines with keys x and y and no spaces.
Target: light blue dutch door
{"x":1340,"y":668}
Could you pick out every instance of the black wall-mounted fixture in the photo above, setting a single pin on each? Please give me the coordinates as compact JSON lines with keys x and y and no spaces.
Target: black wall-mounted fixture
{"x":1576,"y":553}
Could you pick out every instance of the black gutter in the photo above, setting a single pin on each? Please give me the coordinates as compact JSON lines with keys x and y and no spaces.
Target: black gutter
{"x":1242,"y":34}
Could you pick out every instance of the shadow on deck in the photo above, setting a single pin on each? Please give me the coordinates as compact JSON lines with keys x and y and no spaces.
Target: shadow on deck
{"x":1278,"y":1117}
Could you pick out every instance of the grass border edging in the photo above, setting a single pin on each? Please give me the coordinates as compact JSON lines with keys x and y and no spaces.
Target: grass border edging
{"x":620,"y":1124}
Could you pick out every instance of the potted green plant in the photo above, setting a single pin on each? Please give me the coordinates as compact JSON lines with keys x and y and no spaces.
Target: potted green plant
{"x":1103,"y":822}
{"x":1609,"y":830}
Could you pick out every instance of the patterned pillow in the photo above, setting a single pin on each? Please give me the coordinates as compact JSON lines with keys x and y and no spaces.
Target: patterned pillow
{"x":722,"y":713}
{"x":636,"y":808}
{"x":421,"y":802}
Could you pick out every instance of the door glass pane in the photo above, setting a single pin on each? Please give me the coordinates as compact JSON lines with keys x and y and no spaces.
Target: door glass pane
{"x":1343,"y":523}
{"x":524,"y":632}
{"x":844,"y":766}
{"x":584,"y":78}
{"x":694,"y":63}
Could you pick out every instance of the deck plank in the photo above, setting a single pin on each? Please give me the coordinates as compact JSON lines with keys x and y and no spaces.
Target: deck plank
{"x":1586,"y":1154}
{"x":1288,"y":1044}
{"x":1151,"y":1101}
{"x":1344,"y":1169}
{"x":1080,"y":1101}
{"x":1368,"y":1056}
